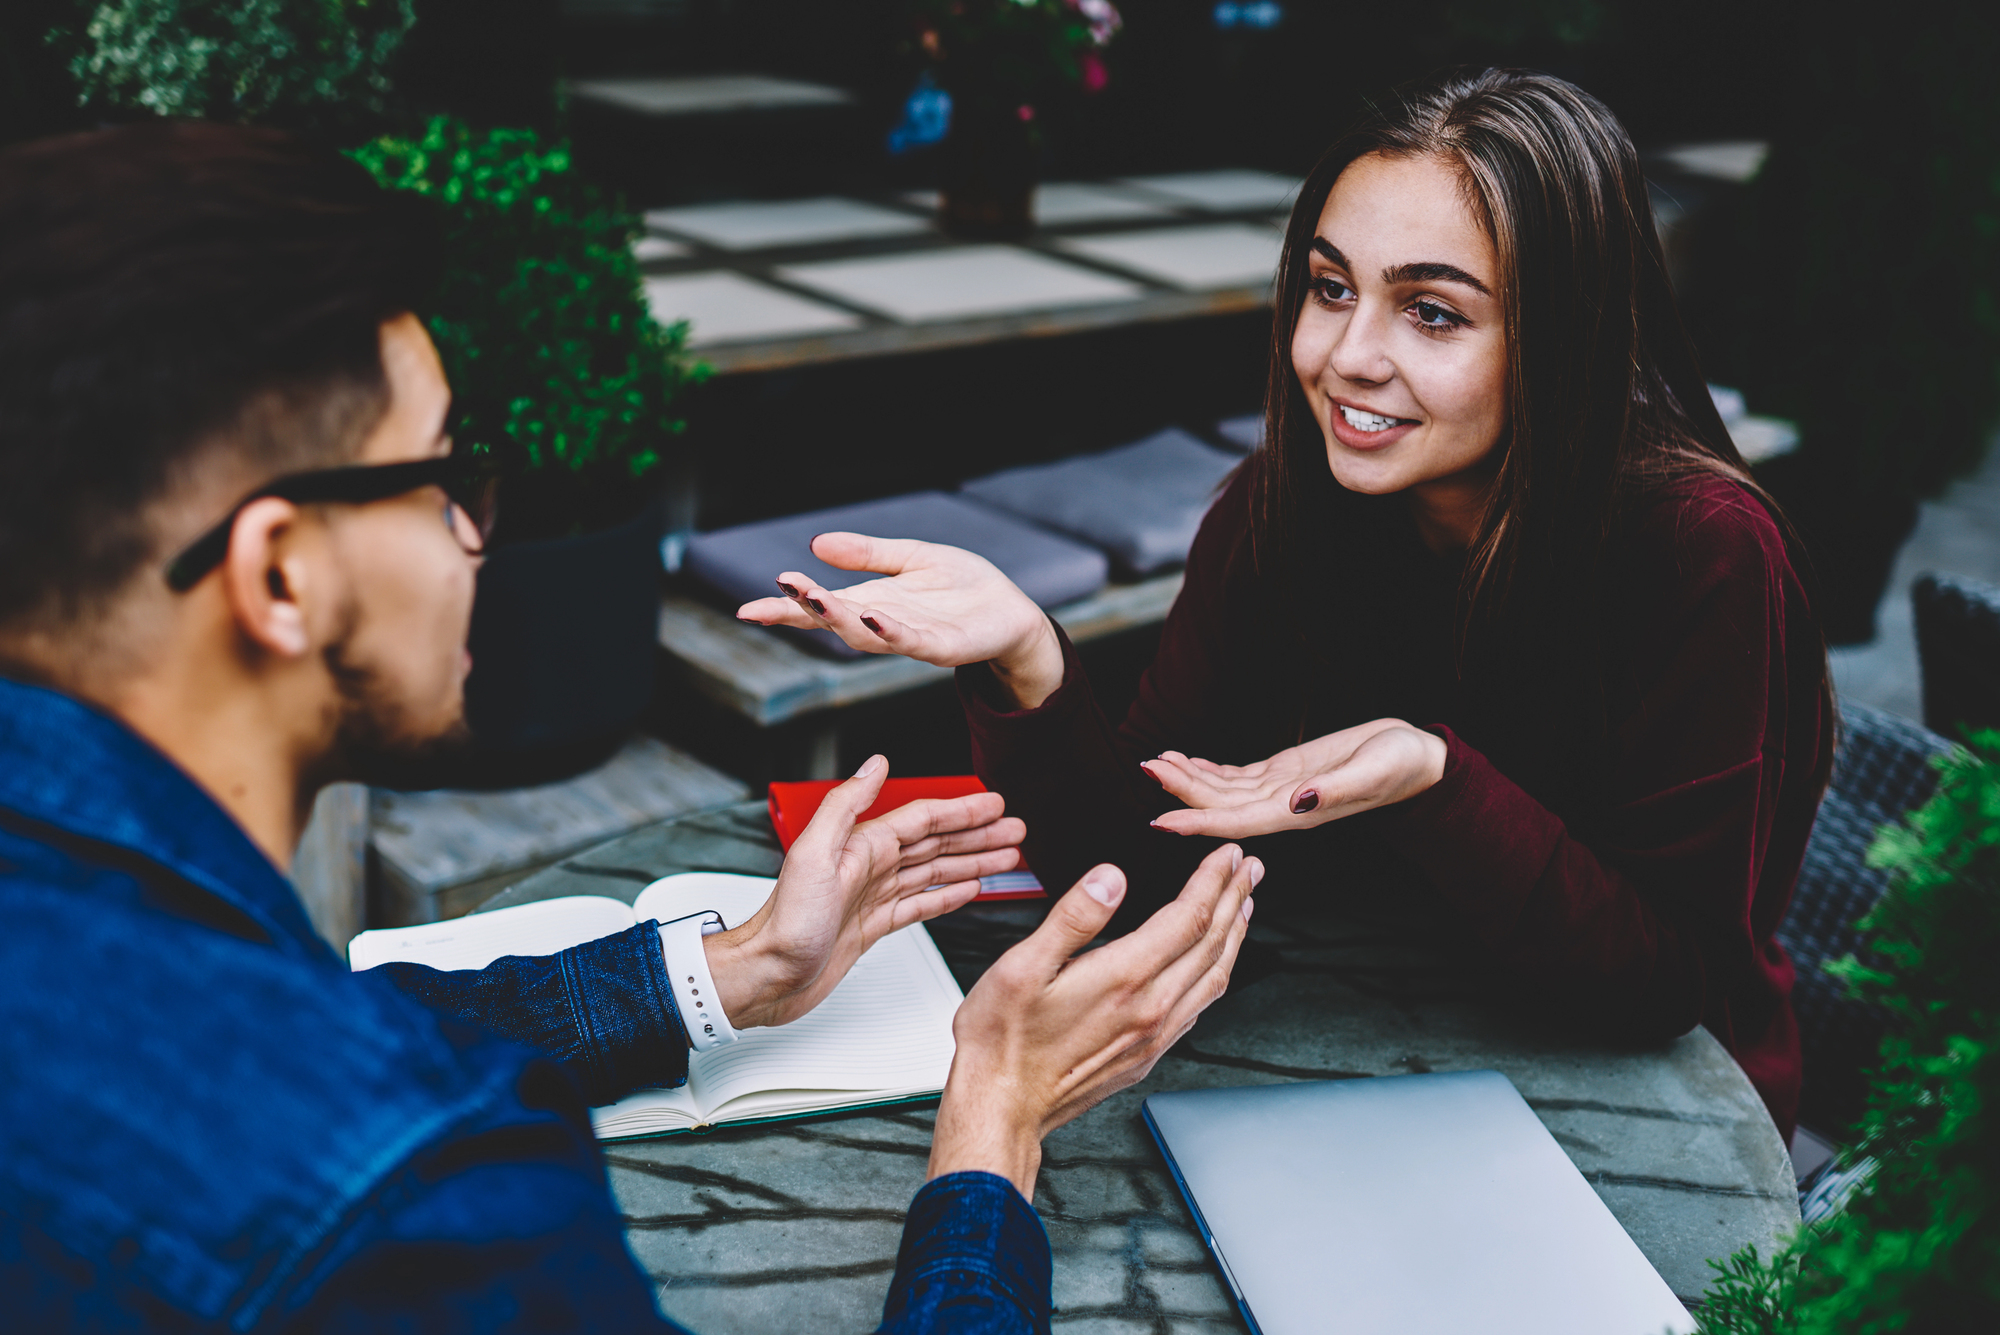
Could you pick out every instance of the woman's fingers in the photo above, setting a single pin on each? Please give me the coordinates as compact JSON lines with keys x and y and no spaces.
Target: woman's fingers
{"x":858,"y":551}
{"x":1200,"y":788}
{"x":777,"y":612}
{"x":1243,"y":821}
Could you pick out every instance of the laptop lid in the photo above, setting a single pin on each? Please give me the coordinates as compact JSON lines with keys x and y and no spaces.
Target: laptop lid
{"x":1403,"y":1205}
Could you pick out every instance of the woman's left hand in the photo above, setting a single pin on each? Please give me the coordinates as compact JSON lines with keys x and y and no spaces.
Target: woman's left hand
{"x":1352,"y":770}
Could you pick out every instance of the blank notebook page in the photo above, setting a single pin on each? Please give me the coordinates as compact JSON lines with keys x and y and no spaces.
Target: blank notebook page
{"x":887,"y":1026}
{"x":545,"y":927}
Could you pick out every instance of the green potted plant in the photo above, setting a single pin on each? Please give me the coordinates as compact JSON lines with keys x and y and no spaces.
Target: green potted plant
{"x":561,"y":376}
{"x":322,"y":68}
{"x":1917,"y":1249}
{"x":997,"y":60}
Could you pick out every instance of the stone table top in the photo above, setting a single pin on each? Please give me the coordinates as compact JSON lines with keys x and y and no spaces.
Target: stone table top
{"x":794,"y":1226}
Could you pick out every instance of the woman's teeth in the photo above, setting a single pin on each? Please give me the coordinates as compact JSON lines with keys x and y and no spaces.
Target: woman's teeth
{"x":1362,"y":421}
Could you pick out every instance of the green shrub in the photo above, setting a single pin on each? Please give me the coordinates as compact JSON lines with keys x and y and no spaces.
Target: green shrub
{"x":301,"y":64}
{"x":557,"y":368}
{"x":1919,"y":1249}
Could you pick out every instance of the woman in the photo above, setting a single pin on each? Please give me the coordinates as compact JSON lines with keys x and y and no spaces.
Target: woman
{"x":1498,"y":603}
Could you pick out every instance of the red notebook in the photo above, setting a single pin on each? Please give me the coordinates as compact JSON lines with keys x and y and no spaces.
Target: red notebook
{"x":793,"y":805}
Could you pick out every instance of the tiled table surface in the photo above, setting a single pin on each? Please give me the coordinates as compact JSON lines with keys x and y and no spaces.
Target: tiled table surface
{"x":793,"y":1227}
{"x":766,"y":284}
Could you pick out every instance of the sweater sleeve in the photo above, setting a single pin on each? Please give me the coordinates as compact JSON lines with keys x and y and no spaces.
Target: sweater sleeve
{"x":1075,"y":778}
{"x":1654,"y":917}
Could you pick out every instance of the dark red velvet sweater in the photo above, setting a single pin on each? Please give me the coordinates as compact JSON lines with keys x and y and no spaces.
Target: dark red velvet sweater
{"x":1641,"y":898}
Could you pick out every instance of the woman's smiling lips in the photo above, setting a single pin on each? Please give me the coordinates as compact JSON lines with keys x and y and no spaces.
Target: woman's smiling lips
{"x":1351,"y":420}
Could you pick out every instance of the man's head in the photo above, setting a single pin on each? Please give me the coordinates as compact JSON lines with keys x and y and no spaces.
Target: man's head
{"x":188,"y":312}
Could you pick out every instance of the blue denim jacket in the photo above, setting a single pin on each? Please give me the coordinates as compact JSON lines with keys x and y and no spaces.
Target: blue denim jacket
{"x":208,"y":1123}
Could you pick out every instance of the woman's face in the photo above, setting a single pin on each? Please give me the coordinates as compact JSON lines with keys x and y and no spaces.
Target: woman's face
{"x":1399,"y":345}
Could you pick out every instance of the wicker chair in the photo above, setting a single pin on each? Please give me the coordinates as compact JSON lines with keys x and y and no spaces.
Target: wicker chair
{"x":1880,"y":771}
{"x":1958,"y":646}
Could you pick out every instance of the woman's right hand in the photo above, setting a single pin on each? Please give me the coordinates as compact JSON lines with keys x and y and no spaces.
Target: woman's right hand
{"x":936,"y":604}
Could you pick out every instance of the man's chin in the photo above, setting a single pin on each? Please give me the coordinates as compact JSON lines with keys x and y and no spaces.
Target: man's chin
{"x":385,"y":758}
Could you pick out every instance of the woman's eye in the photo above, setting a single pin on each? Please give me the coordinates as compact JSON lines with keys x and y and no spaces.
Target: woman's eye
{"x":1330,"y":290}
{"x":1433,"y":316}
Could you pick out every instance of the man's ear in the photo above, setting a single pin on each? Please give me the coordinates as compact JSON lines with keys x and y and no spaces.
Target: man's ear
{"x":266,"y":577}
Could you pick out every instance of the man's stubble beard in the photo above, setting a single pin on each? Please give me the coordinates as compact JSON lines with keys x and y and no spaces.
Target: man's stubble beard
{"x":376,"y":741}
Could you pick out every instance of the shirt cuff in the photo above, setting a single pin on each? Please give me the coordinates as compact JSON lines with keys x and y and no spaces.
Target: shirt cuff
{"x":971,"y":1240}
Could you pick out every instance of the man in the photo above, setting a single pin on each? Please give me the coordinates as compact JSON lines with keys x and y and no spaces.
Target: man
{"x":232,"y":569}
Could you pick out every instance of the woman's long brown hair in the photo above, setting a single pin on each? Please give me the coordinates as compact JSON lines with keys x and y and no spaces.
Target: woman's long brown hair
{"x":1606,"y":399}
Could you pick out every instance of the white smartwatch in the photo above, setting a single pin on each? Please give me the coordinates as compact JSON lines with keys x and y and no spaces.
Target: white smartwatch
{"x":694,"y":990}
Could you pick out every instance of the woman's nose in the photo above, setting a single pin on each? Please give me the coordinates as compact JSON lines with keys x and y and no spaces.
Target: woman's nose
{"x":1361,"y":354}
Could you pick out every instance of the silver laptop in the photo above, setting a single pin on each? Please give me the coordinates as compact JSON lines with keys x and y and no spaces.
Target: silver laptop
{"x":1406,"y":1205}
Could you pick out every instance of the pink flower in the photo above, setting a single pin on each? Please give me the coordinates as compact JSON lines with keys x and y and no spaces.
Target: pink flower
{"x":1102,"y":17}
{"x":1095,"y":76}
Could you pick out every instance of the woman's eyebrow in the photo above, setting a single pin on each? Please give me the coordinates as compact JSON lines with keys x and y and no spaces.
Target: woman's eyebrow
{"x":1428,"y":271}
{"x":1432,"y":272}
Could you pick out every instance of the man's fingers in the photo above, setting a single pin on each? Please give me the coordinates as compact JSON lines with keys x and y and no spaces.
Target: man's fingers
{"x":1179,"y":927}
{"x":1225,"y":915}
{"x":1001,"y":834}
{"x":1077,"y":917}
{"x":914,"y":821}
{"x":932,"y":903}
{"x":1210,"y":985}
{"x":831,"y":824}
{"x":965,"y":867}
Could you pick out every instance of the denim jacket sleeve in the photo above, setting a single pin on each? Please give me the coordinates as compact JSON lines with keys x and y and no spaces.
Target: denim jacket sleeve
{"x":974,"y":1261}
{"x":603,"y":1009}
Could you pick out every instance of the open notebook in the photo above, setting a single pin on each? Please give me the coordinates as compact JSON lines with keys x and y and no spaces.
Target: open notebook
{"x":883,"y":1036}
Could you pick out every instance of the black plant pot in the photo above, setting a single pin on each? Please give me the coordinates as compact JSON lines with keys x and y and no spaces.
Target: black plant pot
{"x":1851,"y":536}
{"x":563,"y":643}
{"x":989,"y":178}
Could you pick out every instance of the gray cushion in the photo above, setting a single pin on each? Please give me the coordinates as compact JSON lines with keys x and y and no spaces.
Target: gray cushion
{"x":1142,"y":503}
{"x":1245,"y":433}
{"x":742,"y":563}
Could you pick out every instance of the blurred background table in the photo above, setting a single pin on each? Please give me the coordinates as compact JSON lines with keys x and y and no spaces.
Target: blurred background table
{"x":769,"y":681}
{"x":793,"y":1227}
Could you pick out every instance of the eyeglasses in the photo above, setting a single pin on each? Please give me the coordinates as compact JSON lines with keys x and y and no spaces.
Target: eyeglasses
{"x":470,"y":487}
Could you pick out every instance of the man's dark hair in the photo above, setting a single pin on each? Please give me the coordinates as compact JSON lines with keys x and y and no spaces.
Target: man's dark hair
{"x":169,"y":291}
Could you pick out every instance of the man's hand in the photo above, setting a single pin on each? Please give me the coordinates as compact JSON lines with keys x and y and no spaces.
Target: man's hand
{"x":1047,"y":1034}
{"x":1370,"y":765}
{"x":845,"y":886}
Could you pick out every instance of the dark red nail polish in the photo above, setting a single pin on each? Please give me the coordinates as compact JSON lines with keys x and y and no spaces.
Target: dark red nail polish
{"x":1306,"y":802}
{"x":818,"y":607}
{"x":870,"y":623}
{"x":790,"y":592}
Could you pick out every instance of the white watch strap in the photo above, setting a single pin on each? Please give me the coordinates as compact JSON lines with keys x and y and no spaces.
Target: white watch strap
{"x":694,"y":990}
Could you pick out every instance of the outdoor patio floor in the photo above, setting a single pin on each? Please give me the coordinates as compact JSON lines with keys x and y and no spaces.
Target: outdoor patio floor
{"x":1959,"y":533}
